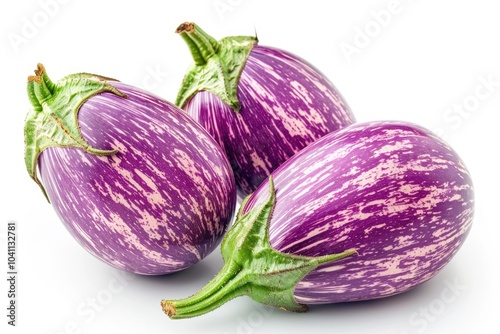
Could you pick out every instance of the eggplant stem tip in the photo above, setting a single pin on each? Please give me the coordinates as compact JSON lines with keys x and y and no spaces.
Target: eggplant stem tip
{"x":185,"y":27}
{"x":168,"y":308}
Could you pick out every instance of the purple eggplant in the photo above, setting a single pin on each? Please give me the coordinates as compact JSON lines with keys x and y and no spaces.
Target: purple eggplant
{"x":136,"y":181}
{"x":261,"y":104}
{"x":367,"y":212}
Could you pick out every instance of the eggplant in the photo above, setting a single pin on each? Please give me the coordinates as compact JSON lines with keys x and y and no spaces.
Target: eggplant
{"x":136,"y":181}
{"x":368,"y":212}
{"x":260,"y":103}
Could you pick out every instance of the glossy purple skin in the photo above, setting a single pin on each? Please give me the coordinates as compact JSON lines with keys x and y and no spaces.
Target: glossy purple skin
{"x":286,"y":104}
{"x":159,"y":205}
{"x":394,"y":192}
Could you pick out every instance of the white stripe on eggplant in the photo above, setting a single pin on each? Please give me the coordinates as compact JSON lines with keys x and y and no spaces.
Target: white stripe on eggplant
{"x":158,"y":206}
{"x":393,"y":191}
{"x":286,"y":104}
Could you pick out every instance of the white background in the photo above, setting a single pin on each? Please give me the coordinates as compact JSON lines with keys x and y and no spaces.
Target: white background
{"x":424,"y":63}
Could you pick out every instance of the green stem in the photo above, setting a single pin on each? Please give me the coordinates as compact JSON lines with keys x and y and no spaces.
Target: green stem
{"x":53,"y":121}
{"x":40,"y":72}
{"x":201,"y":45}
{"x":252,"y":268}
{"x":37,"y":107}
{"x":42,"y":91}
{"x":217,"y":64}
{"x":226,"y":285}
{"x":228,"y":272}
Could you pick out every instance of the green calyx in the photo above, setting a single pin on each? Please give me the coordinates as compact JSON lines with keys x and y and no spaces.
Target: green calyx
{"x":217,"y":64}
{"x":53,"y":120}
{"x":252,"y":268}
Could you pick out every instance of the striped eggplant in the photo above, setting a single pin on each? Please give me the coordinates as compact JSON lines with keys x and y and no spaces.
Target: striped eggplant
{"x":136,"y":181}
{"x":367,"y":212}
{"x":261,"y":104}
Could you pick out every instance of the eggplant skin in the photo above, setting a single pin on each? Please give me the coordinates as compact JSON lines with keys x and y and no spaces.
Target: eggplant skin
{"x":286,"y":104}
{"x":393,"y":191}
{"x":159,"y":205}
